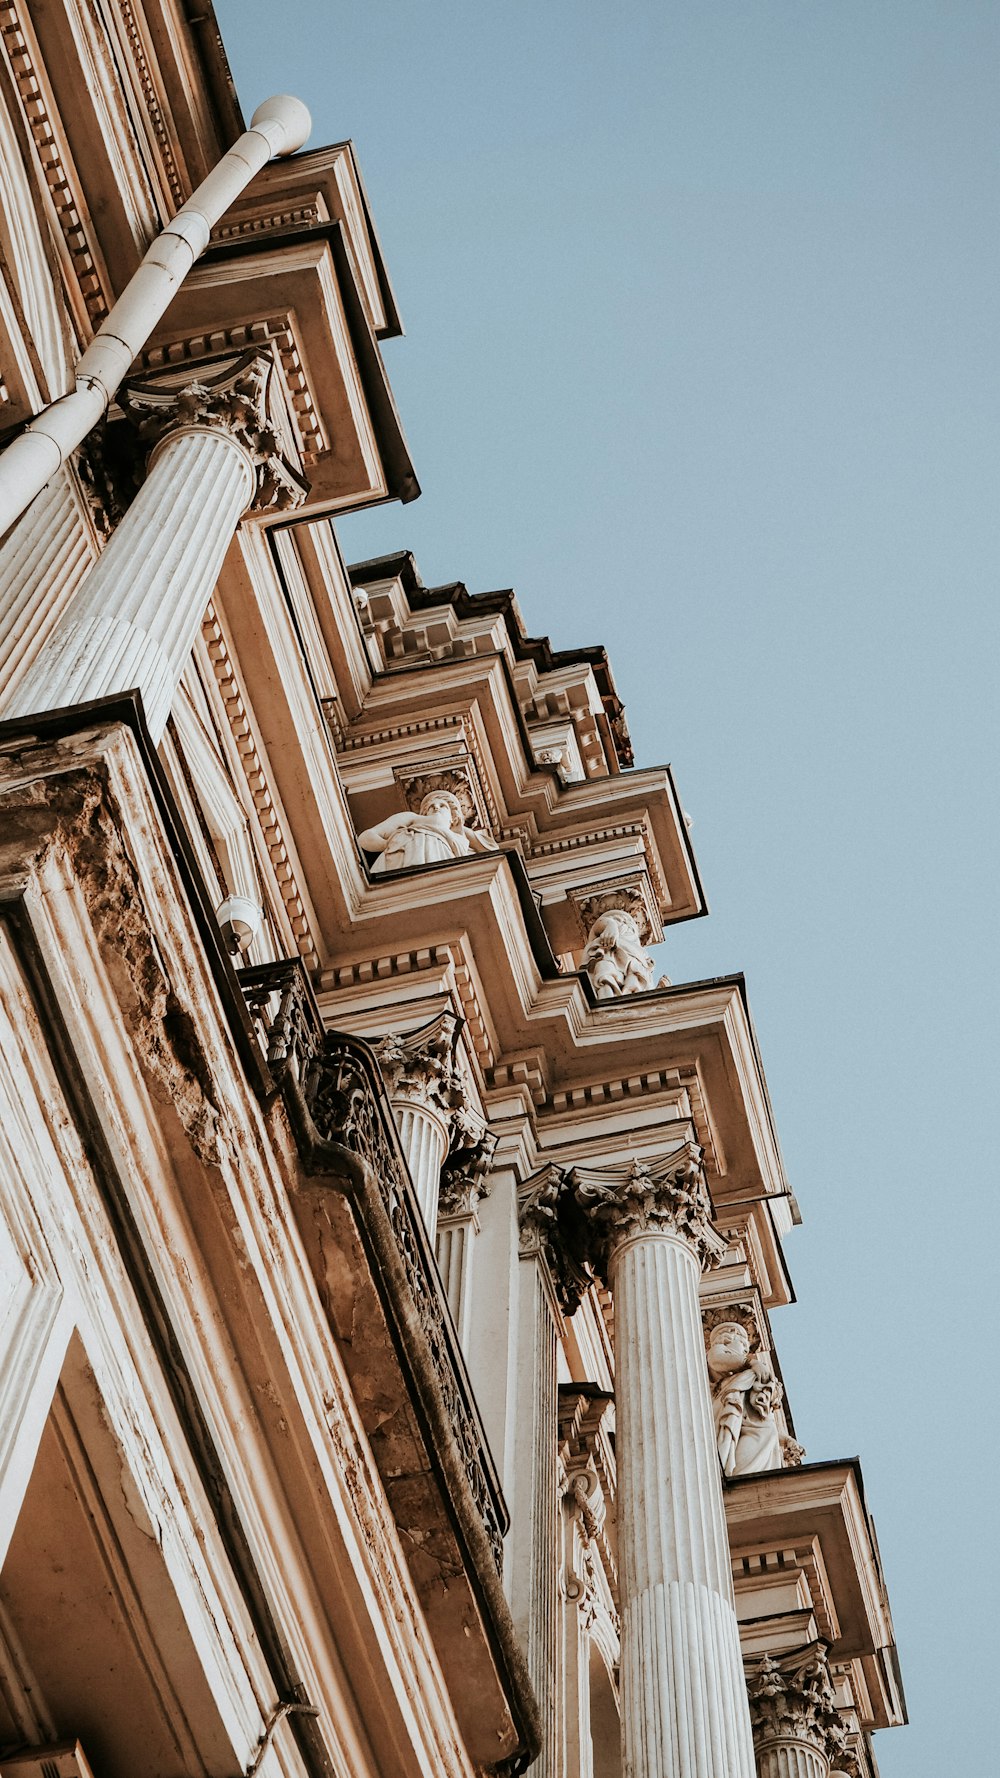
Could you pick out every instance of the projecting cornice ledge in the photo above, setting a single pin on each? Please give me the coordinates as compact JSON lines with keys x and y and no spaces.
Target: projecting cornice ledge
{"x":817,"y":1513}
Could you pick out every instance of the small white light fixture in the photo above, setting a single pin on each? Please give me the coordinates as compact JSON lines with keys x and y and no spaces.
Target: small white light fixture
{"x":240,"y":920}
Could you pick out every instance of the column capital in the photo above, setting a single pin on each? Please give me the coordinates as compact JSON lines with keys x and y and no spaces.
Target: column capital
{"x":541,"y":1204}
{"x":420,"y":1068}
{"x":232,"y":397}
{"x":465,"y":1174}
{"x":657,"y":1197}
{"x":792,"y":1700}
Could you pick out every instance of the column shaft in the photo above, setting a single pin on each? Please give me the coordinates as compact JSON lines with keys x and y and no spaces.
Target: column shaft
{"x":791,"y":1759}
{"x":534,"y":1538}
{"x":455,"y":1237}
{"x":42,"y":565}
{"x":423,"y":1135}
{"x":135,"y":620}
{"x":684,"y":1704}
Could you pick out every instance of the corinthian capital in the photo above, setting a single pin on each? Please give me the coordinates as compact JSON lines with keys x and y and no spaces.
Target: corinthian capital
{"x":465,"y":1173}
{"x":792,"y":1699}
{"x":541,"y":1203}
{"x":665,"y":1197}
{"x":421,"y":1067}
{"x":232,"y":397}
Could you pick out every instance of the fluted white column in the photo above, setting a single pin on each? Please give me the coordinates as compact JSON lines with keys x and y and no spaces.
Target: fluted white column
{"x":423,"y":1134}
{"x":684,"y":1702}
{"x":136,"y":617}
{"x":455,"y":1246}
{"x":465,"y":1183}
{"x":790,"y":1759}
{"x":42,"y":566}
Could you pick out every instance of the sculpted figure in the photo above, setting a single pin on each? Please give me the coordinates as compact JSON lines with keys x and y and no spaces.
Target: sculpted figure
{"x":435,"y":832}
{"x":732,"y":1376}
{"x":614,"y":958}
{"x":745,"y":1393}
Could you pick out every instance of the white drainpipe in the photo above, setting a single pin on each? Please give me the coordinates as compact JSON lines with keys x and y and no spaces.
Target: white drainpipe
{"x":278,"y":127}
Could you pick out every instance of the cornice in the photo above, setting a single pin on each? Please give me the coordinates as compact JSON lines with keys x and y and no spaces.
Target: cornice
{"x":56,"y":169}
{"x":753,"y":1568}
{"x":134,"y":35}
{"x":785,"y":1508}
{"x":636,"y":814}
{"x":538,"y":650}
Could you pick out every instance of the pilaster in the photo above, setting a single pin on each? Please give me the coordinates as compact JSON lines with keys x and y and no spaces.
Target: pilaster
{"x":534,"y":1541}
{"x":465,"y":1184}
{"x":591,"y":1626}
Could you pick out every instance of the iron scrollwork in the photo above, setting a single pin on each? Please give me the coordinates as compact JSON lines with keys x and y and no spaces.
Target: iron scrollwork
{"x":345,"y":1097}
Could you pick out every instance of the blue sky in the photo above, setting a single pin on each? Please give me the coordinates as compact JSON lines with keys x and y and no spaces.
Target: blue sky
{"x":703,"y":358}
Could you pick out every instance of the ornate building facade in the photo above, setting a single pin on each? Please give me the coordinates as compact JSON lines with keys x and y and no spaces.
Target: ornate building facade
{"x":387,"y":1379}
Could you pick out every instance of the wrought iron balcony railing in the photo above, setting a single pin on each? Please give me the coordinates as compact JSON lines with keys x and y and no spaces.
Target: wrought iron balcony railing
{"x":340,"y":1082}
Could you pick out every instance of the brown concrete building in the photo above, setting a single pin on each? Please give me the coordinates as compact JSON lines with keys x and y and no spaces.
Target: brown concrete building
{"x":387,"y":1382}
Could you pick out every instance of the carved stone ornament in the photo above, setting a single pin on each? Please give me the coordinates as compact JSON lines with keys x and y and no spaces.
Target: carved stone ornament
{"x":792,"y":1453}
{"x":235,"y":400}
{"x":541,"y":1203}
{"x":421,"y":1067}
{"x":344,"y":1097}
{"x":792,"y":1699}
{"x":745,"y":1393}
{"x":615,"y":958}
{"x":745,"y":1390}
{"x":587,"y":1487}
{"x":109,"y":473}
{"x":455,"y":775}
{"x":742,"y":1312}
{"x":666,"y":1197}
{"x":465,"y":1179}
{"x":619,"y":919}
{"x":624,"y":895}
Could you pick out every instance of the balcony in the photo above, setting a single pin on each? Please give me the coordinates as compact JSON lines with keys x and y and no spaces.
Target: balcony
{"x":377,"y":1275}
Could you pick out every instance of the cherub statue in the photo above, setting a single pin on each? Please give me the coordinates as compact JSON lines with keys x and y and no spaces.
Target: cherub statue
{"x":745,"y":1393}
{"x":435,"y":832}
{"x":732,"y":1374}
{"x":614,"y":957}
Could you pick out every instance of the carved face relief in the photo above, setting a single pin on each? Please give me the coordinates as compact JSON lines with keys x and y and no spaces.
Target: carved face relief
{"x":728,"y":1350}
{"x":443,"y":809}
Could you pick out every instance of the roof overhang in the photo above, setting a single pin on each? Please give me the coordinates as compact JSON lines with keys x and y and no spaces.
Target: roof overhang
{"x":824,"y":1503}
{"x":300,"y":290}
